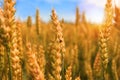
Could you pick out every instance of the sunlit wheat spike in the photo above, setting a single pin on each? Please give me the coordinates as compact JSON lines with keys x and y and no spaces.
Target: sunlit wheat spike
{"x":57,"y":49}
{"x":68,"y":75}
{"x":108,"y":20}
{"x":103,"y":51}
{"x":9,"y":27}
{"x":58,"y":31}
{"x":15,"y":60}
{"x":56,"y":64}
{"x":103,"y":54}
{"x":109,"y":12}
{"x":9,"y":12}
{"x":19,"y":39}
{"x":40,"y":56}
{"x":108,"y":23}
{"x":54,"y":18}
{"x":15,"y":52}
{"x":33,"y":66}
{"x":105,"y":36}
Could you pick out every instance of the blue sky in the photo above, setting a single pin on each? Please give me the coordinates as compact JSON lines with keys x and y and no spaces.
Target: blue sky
{"x":65,"y":9}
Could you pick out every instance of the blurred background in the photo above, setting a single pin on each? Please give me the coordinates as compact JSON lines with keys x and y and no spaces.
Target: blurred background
{"x":94,"y":9}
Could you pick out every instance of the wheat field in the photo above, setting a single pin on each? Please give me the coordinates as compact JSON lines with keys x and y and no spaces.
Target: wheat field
{"x":59,"y":50}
